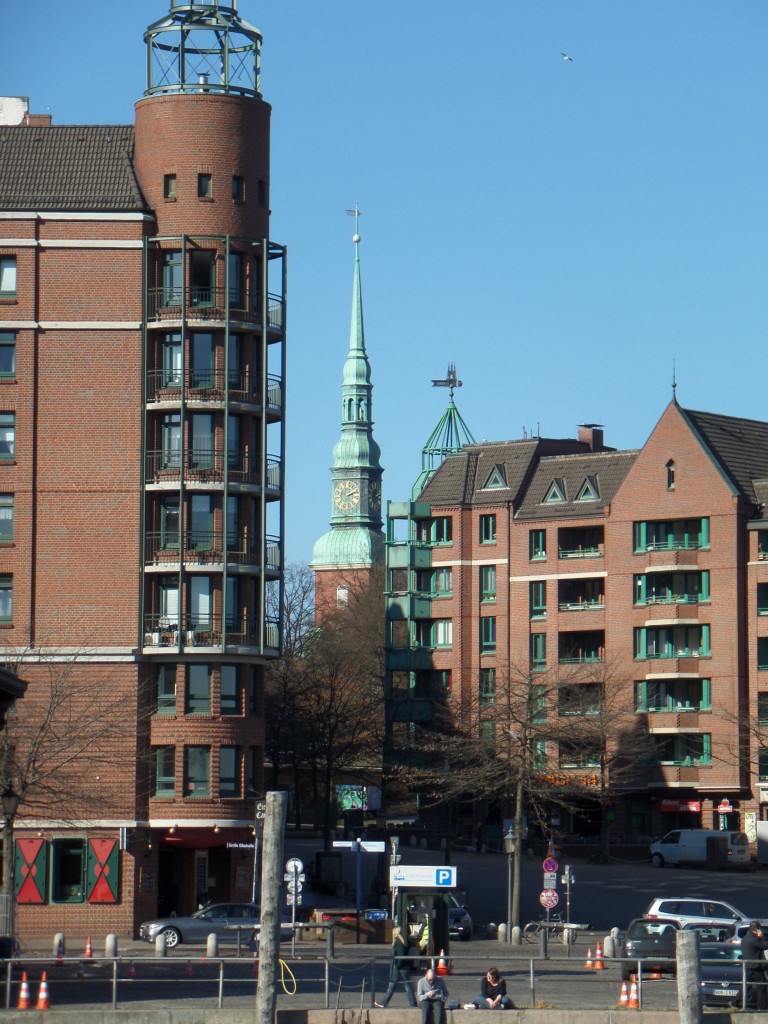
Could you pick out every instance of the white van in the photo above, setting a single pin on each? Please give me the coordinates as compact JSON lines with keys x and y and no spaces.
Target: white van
{"x":689,"y":846}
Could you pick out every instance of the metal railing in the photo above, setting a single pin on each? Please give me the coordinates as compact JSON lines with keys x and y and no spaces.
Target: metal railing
{"x":212,"y":386}
{"x":167,"y":303}
{"x":206,"y":547}
{"x":204,"y":463}
{"x":197,"y":631}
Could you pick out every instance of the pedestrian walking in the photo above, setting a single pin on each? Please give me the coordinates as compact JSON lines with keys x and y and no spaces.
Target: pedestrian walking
{"x":753,"y":947}
{"x":399,"y":971}
{"x":432,"y":995}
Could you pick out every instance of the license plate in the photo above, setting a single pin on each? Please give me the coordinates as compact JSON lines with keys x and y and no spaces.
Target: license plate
{"x":726,"y":992}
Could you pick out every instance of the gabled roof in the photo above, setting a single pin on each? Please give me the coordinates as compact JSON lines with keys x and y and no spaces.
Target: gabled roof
{"x":68,"y":167}
{"x":461,"y":478}
{"x":739,"y":446}
{"x":604,"y":471}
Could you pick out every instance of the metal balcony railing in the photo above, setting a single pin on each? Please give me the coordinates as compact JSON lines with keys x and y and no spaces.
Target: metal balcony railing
{"x":212,"y":386}
{"x":192,"y":630}
{"x":204,"y":547}
{"x":207,"y":464}
{"x":168,"y":303}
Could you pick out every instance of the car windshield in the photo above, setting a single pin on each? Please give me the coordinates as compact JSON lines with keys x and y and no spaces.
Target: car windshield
{"x":644,"y":929}
{"x":208,"y":912}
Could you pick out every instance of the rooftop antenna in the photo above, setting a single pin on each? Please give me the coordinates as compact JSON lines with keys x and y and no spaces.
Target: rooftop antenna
{"x":451,"y":381}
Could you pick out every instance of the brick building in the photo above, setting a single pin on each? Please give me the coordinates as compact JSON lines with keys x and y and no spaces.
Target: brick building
{"x":643,"y":567}
{"x":142,"y":356}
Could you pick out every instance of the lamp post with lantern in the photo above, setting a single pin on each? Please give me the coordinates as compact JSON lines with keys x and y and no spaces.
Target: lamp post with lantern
{"x":510,"y":845}
{"x":10,"y":799}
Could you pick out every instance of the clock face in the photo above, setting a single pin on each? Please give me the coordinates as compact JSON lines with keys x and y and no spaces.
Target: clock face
{"x":374,"y":496}
{"x":346,"y":494}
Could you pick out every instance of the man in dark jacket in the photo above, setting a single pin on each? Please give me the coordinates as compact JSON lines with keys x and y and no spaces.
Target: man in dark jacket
{"x":753,"y":947}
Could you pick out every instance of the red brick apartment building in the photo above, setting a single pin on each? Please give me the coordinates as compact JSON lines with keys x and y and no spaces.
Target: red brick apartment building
{"x":644,"y":567}
{"x":142,"y":356}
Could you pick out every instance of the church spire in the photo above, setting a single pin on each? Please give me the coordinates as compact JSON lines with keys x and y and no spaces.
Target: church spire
{"x":356,"y":539}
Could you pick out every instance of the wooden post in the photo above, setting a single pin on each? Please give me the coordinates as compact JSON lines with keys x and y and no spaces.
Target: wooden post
{"x":271,"y":884}
{"x":688,"y":977}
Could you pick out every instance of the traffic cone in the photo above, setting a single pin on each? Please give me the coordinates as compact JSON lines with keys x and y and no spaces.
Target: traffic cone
{"x":442,"y":966}
{"x":88,"y":948}
{"x":589,"y":965}
{"x":599,"y":962}
{"x":633,"y":1003}
{"x":59,"y":952}
{"x":624,"y":997}
{"x":188,"y":971}
{"x":42,"y":998}
{"x":24,"y":1001}
{"x":80,"y":970}
{"x":131,"y":969}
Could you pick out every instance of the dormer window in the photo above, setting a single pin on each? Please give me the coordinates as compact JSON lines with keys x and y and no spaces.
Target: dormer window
{"x":496,"y":479}
{"x":589,"y":490}
{"x":555,"y":492}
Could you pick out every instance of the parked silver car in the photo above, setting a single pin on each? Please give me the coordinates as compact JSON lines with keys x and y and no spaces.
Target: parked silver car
{"x":695,"y":910}
{"x":197,"y":927}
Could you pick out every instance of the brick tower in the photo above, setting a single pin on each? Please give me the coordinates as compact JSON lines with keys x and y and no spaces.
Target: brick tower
{"x":142,"y":318}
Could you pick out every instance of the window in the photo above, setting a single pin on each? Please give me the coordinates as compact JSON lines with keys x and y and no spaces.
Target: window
{"x":487,"y":582}
{"x":580,"y":542}
{"x":169,"y":524}
{"x":442,"y":581}
{"x":762,"y":545}
{"x":487,"y":685}
{"x":255,"y":769}
{"x":497,"y":478}
{"x":173,"y":276}
{"x":537,"y":544}
{"x":169,"y":186}
{"x":762,"y":651}
{"x":67,"y":870}
{"x":675,"y":588}
{"x":202,"y":277}
{"x":762,"y":709}
{"x":342,"y":596}
{"x":488,"y":734}
{"x":197,"y":771}
{"x":238,"y":188}
{"x":231,"y":697}
{"x":682,"y":748}
{"x":169,"y":602}
{"x":7,"y":436}
{"x":204,"y":186}
{"x":166,"y":690}
{"x":555,"y":492}
{"x":229,"y":771}
{"x":202,"y":441}
{"x":538,"y":749}
{"x":7,"y":355}
{"x":579,"y":699}
{"x":233,"y":523}
{"x":235,"y":269}
{"x":678,"y":695}
{"x":7,"y":277}
{"x":6,"y":598}
{"x":672,"y":642}
{"x":435,"y":531}
{"x":442,"y":683}
{"x":261,"y":192}
{"x":165,"y":771}
{"x":762,"y":598}
{"x":488,"y":529}
{"x":171,"y":354}
{"x":198,"y":690}
{"x":538,"y":599}
{"x":670,"y":475}
{"x":170,"y":433}
{"x":538,"y":703}
{"x":579,"y":755}
{"x":488,"y":634}
{"x":6,"y":518}
{"x":538,"y":650}
{"x":762,"y":764}
{"x":200,"y":525}
{"x":442,"y":633}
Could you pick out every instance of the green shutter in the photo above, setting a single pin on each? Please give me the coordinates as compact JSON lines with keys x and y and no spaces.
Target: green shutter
{"x":102,"y":871}
{"x":640,"y":536}
{"x":31,"y":870}
{"x":706,"y":694}
{"x":641,"y":695}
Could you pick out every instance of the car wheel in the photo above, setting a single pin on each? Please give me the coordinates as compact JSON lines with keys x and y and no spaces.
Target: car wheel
{"x":657,"y":860}
{"x":172,"y":937}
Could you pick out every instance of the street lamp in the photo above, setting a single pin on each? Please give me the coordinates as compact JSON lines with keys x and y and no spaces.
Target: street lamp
{"x":10,"y":801}
{"x":510,"y":845}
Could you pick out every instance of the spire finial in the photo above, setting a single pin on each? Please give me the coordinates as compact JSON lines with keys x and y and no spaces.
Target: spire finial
{"x":451,"y":381}
{"x":356,"y":214}
{"x":674,"y":381}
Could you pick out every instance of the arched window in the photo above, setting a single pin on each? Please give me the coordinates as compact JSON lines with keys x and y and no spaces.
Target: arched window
{"x":671,"y":475}
{"x":342,"y":596}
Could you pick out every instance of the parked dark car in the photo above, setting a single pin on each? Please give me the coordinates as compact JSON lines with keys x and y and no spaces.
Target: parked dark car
{"x":653,"y":942}
{"x":459,"y":920}
{"x":722,"y":976}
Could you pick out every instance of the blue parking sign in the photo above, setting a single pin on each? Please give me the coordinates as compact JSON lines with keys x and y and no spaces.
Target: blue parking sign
{"x":444,"y":877}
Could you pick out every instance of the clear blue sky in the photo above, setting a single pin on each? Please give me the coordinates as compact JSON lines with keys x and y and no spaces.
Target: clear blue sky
{"x":561,"y":230}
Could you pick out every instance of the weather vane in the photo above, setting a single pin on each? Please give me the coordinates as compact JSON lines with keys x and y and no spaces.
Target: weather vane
{"x":451,"y":381}
{"x":356,"y":214}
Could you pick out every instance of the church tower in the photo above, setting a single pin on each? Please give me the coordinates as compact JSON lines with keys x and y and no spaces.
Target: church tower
{"x":344,"y":557}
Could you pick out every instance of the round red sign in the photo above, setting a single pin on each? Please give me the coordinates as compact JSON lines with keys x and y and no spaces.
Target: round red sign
{"x":549,"y":898}
{"x":550,"y":865}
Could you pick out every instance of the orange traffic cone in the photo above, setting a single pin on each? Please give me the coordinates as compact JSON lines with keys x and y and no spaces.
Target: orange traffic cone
{"x":131,"y":969}
{"x":442,"y":966}
{"x":24,"y":1001}
{"x":88,"y":948}
{"x":59,"y":951}
{"x":42,"y":998}
{"x":624,"y":997}
{"x":188,"y":971}
{"x":80,"y":970}
{"x":589,"y":965}
{"x":599,"y":962}
{"x":633,"y":1003}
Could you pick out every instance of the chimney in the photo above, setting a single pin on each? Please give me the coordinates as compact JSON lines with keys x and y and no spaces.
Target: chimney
{"x":592,"y":434}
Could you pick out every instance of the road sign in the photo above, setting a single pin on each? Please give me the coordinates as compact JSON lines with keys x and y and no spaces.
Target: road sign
{"x":550,"y":865}
{"x":369,"y":845}
{"x":404,"y":876}
{"x":549,"y":898}
{"x":294,"y":865}
{"x":293,"y":901}
{"x":294,"y":886}
{"x":550,"y":880}
{"x":301,"y":877}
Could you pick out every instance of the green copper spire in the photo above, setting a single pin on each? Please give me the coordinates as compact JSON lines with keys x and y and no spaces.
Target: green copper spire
{"x":356,"y":536}
{"x":450,"y":435}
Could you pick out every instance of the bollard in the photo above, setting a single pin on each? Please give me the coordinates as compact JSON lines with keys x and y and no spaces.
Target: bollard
{"x":501,"y":933}
{"x":491,"y":930}
{"x":609,"y":946}
{"x":161,"y":944}
{"x":110,"y":946}
{"x":517,"y":935}
{"x":543,"y":943}
{"x":59,"y":945}
{"x":212,"y":946}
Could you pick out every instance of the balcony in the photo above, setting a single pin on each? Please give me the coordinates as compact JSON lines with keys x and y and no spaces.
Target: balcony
{"x":580,"y":542}
{"x":210,"y":466}
{"x":165,"y":305}
{"x":213,"y":386}
{"x":581,"y":648}
{"x":205,"y":548}
{"x":163,"y":632}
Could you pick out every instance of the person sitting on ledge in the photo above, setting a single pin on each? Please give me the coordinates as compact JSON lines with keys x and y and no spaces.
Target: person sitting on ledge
{"x":493,"y":993}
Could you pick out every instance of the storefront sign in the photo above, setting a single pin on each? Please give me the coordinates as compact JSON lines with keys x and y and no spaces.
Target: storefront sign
{"x":690,"y":806}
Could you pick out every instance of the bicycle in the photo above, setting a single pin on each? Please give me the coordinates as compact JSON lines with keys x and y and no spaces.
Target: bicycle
{"x":555,"y":927}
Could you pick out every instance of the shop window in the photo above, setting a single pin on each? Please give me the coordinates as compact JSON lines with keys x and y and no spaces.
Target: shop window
{"x":67,"y":871}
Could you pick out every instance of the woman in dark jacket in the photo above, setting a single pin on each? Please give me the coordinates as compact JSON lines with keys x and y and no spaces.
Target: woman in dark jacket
{"x":493,"y":993}
{"x":398,"y":971}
